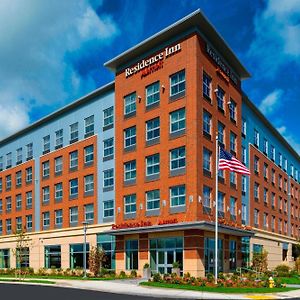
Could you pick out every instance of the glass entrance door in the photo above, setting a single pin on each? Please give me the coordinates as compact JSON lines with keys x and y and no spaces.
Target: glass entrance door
{"x":210,"y":255}
{"x":165,"y":259}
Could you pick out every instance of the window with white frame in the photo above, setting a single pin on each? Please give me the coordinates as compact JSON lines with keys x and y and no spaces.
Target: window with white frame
{"x":130,"y":104}
{"x":244,"y":184}
{"x":73,"y":213}
{"x":89,"y":126}
{"x":130,"y":204}
{"x":73,"y":159}
{"x":108,"y":116}
{"x":89,"y":213}
{"x":206,"y":196}
{"x":280,"y":160}
{"x":1,"y":205}
{"x":59,"y":138}
{"x":89,"y":183}
{"x":8,"y":182}
{"x":19,"y":178}
{"x":19,"y":155}
{"x":273,"y":223}
{"x":1,"y":227}
{"x":58,"y":188}
{"x":273,"y":153}
{"x":244,"y":127}
{"x":285,"y":164}
{"x":28,"y":175}
{"x":73,"y":187}
{"x":108,"y":147}
{"x":206,"y":160}
{"x":19,"y":201}
{"x":130,"y":137}
{"x":256,"y":164}
{"x":232,"y":176}
{"x":256,"y":190}
{"x":220,"y":98}
{"x":46,"y":194}
{"x":244,"y":213}
{"x":232,"y":141}
{"x":273,"y":176}
{"x":46,"y":141}
{"x":177,"y":83}
{"x":177,"y":195}
{"x":177,"y":120}
{"x":108,"y":208}
{"x":266,"y":216}
{"x":266,"y":146}
{"x":58,"y":164}
{"x":177,"y":158}
{"x":232,"y":110}
{"x":19,"y":224}
{"x":46,"y":168}
{"x":273,"y":200}
{"x":58,"y":217}
{"x":152,"y":94}
{"x":1,"y":185}
{"x":152,"y":129}
{"x":29,"y":199}
{"x":256,"y":138}
{"x":108,"y":178}
{"x":130,"y":170}
{"x":232,"y":206}
{"x":244,"y":155}
{"x":206,"y":85}
{"x":265,"y":195}
{"x":153,"y":199}
{"x":221,"y":197}
{"x":206,"y":122}
{"x":221,"y":131}
{"x":8,"y":225}
{"x":1,"y":163}
{"x":89,"y":154}
{"x":74,"y":132}
{"x":46,"y":219}
{"x":29,"y":222}
{"x":292,"y":170}
{"x":153,"y":164}
{"x":8,"y":160}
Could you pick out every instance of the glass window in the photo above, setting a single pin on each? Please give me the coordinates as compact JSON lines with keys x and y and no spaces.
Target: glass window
{"x":232,"y":110}
{"x":19,"y":201}
{"x":266,"y":220}
{"x":19,"y":155}
{"x":132,"y":251}
{"x":206,"y":160}
{"x":177,"y":195}
{"x":273,"y":154}
{"x":59,"y":138}
{"x":206,"y":85}
{"x":108,"y":244}
{"x":130,"y":104}
{"x":46,"y":219}
{"x":221,"y":197}
{"x":1,"y":229}
{"x":53,"y":257}
{"x":89,"y":154}
{"x":220,"y":98}
{"x":280,"y":159}
{"x":177,"y":120}
{"x":152,"y":164}
{"x":1,"y":163}
{"x":244,"y":184}
{"x":58,"y":191}
{"x":266,"y":146}
{"x":1,"y":205}
{"x":46,"y":194}
{"x":152,"y":129}
{"x":232,"y":141}
{"x":177,"y":83}
{"x":73,"y":159}
{"x":177,"y":158}
{"x":256,"y":190}
{"x":244,"y":127}
{"x":58,"y":164}
{"x":18,"y":224}
{"x":233,"y":206}
{"x":74,"y":132}
{"x":244,"y":213}
{"x":77,"y":254}
{"x":108,"y":208}
{"x":153,"y":199}
{"x":244,"y":155}
{"x":8,"y":160}
{"x":256,"y":138}
{"x":130,"y":204}
{"x":232,"y":255}
{"x":221,"y":131}
{"x":46,"y":168}
{"x":8,"y":226}
{"x":28,"y":175}
{"x":256,"y":164}
{"x":46,"y":141}
{"x":108,"y":178}
{"x":73,"y":184}
{"x":257,"y":248}
{"x":130,"y":170}
{"x":108,"y":147}
{"x":89,"y":213}
{"x":19,"y":178}
{"x":89,"y":183}
{"x":206,"y":122}
{"x":8,"y":182}
{"x":206,"y":196}
{"x":73,"y":212}
{"x":256,"y":216}
{"x":130,"y":137}
{"x":152,"y":93}
{"x":4,"y":259}
{"x":265,"y":195}
{"x":29,"y":199}
{"x":108,"y":116}
{"x":22,"y":257}
{"x":58,"y":217}
{"x":89,"y":125}
{"x":8,"y":204}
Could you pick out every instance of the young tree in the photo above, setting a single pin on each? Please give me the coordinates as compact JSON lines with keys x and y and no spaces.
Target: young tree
{"x":260,"y":261}
{"x":97,"y":257}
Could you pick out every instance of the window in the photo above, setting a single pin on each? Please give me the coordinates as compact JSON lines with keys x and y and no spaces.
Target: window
{"x":4,"y":258}
{"x":132,"y":253}
{"x":8,"y":160}
{"x":280,"y":181}
{"x":232,"y":110}
{"x":232,"y":255}
{"x":130,"y":137}
{"x":53,"y":257}
{"x":177,"y":84}
{"x":58,"y":165}
{"x":233,"y":178}
{"x":220,"y":98}
{"x":108,"y":243}
{"x":108,"y":178}
{"x":130,"y":170}
{"x":29,"y":199}
{"x":153,"y":199}
{"x":46,"y":219}
{"x":1,"y":206}
{"x":273,"y":223}
{"x":232,"y":141}
{"x":73,"y":184}
{"x":232,"y":206}
{"x":89,"y":126}
{"x":206,"y":196}
{"x":285,"y":164}
{"x":19,"y":201}
{"x":108,"y":208}
{"x":206,"y":123}
{"x":89,"y":183}
{"x":108,"y":148}
{"x":256,"y":164}
{"x":1,"y":185}
{"x":273,"y":153}
{"x":152,"y":129}
{"x":256,"y":138}
{"x":152,"y":94}
{"x":22,"y":257}
{"x":244,"y":213}
{"x":273,"y":176}
{"x":130,"y":204}
{"x":29,"y":222}
{"x":58,"y":191}
{"x":1,"y":232}
{"x":8,"y":226}
{"x":280,"y":160}
{"x":74,"y":132}
{"x":28,"y":175}
{"x":256,"y":190}
{"x":108,"y":117}
{"x":221,"y":197}
{"x":266,"y":146}
{"x":177,"y":195}
{"x":8,"y":182}
{"x":1,"y":163}
{"x":46,"y":168}
{"x":130,"y":104}
{"x":221,"y":130}
{"x":19,"y":155}
{"x":273,"y":200}
{"x":19,"y":178}
{"x":244,"y":127}
{"x":265,"y":195}
{"x":58,"y":217}
{"x":206,"y":160}
{"x":59,"y":138}
{"x":73,"y":211}
{"x":292,"y":170}
{"x":177,"y":158}
{"x":152,"y":164}
{"x":46,"y":194}
{"x":256,"y":217}
{"x":8,"y":204}
{"x":46,"y":140}
{"x":177,"y":120}
{"x":76,"y":255}
{"x":206,"y":85}
{"x":244,"y":184}
{"x":265,"y":171}
{"x":89,"y":213}
{"x":244,"y":155}
{"x":73,"y":159}
{"x":89,"y":154}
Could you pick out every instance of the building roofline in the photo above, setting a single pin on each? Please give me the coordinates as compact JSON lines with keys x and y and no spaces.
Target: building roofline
{"x":270,"y":126}
{"x":100,"y":91}
{"x":195,"y":19}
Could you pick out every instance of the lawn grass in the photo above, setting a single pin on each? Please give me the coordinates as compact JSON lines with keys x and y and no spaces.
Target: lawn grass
{"x":60,"y":277}
{"x":27,"y":281}
{"x":225,"y":290}
{"x":289,"y":280}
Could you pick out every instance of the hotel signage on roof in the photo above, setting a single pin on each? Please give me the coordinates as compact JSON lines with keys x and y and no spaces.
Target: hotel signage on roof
{"x":153,"y":63}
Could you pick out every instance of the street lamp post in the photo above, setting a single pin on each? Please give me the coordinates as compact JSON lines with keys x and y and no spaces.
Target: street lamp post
{"x":85,"y":224}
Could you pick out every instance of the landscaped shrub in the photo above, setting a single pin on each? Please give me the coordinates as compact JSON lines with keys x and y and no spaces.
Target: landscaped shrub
{"x":133,"y":274}
{"x":156,"y":277}
{"x":122,"y":274}
{"x":260,"y":261}
{"x":283,"y":270}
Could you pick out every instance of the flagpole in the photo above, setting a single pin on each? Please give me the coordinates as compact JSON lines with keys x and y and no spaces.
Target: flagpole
{"x":216,"y":210}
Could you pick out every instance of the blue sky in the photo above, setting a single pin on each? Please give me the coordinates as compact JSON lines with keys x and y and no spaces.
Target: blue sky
{"x":52,"y":52}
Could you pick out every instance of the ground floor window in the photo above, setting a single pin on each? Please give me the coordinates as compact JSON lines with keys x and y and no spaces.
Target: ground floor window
{"x":76,"y":256}
{"x":165,"y":251}
{"x":232,"y":255}
{"x":285,"y":247}
{"x":257,"y":248}
{"x":209,"y":254}
{"x":132,"y":253}
{"x":53,"y":256}
{"x":22,"y":258}
{"x":245,"y":249}
{"x":4,"y":259}
{"x":108,"y":244}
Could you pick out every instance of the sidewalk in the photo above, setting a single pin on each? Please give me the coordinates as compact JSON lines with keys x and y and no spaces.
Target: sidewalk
{"x":131,"y":287}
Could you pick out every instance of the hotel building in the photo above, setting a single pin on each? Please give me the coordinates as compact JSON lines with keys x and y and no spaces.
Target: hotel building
{"x":136,"y":159}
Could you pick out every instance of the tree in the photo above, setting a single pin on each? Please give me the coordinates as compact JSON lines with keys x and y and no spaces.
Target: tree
{"x":21,"y":251}
{"x":97,"y":257}
{"x":260,"y":261}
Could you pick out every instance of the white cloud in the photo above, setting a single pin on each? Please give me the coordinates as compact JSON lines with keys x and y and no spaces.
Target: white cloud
{"x":35,"y":37}
{"x":271,"y":102}
{"x":293,"y":141}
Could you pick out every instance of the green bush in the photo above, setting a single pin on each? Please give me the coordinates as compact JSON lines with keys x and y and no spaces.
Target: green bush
{"x":283,"y":270}
{"x":122,"y":274}
{"x":157,"y":277}
{"x":133,"y":274}
{"x":210,"y":277}
{"x":146,"y":266}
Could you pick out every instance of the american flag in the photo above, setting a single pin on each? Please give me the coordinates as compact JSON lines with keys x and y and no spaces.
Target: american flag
{"x":228,"y":162}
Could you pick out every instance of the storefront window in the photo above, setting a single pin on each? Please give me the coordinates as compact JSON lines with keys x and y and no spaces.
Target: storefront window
{"x":76,"y":255}
{"x":132,"y":253}
{"x":53,"y":256}
{"x":108,"y":244}
{"x":22,"y":258}
{"x":245,"y":248}
{"x":257,"y":248}
{"x":209,"y":254}
{"x":232,"y":255}
{"x":4,"y":259}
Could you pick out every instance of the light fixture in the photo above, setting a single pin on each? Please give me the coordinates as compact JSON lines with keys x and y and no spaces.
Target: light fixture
{"x":228,"y":208}
{"x":140,"y":99}
{"x":141,"y":206}
{"x":119,"y":210}
{"x":216,"y":90}
{"x":164,"y":203}
{"x":191,"y":198}
{"x":199,"y":199}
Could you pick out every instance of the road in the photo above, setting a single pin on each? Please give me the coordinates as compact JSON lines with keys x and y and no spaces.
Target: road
{"x":35,"y":292}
